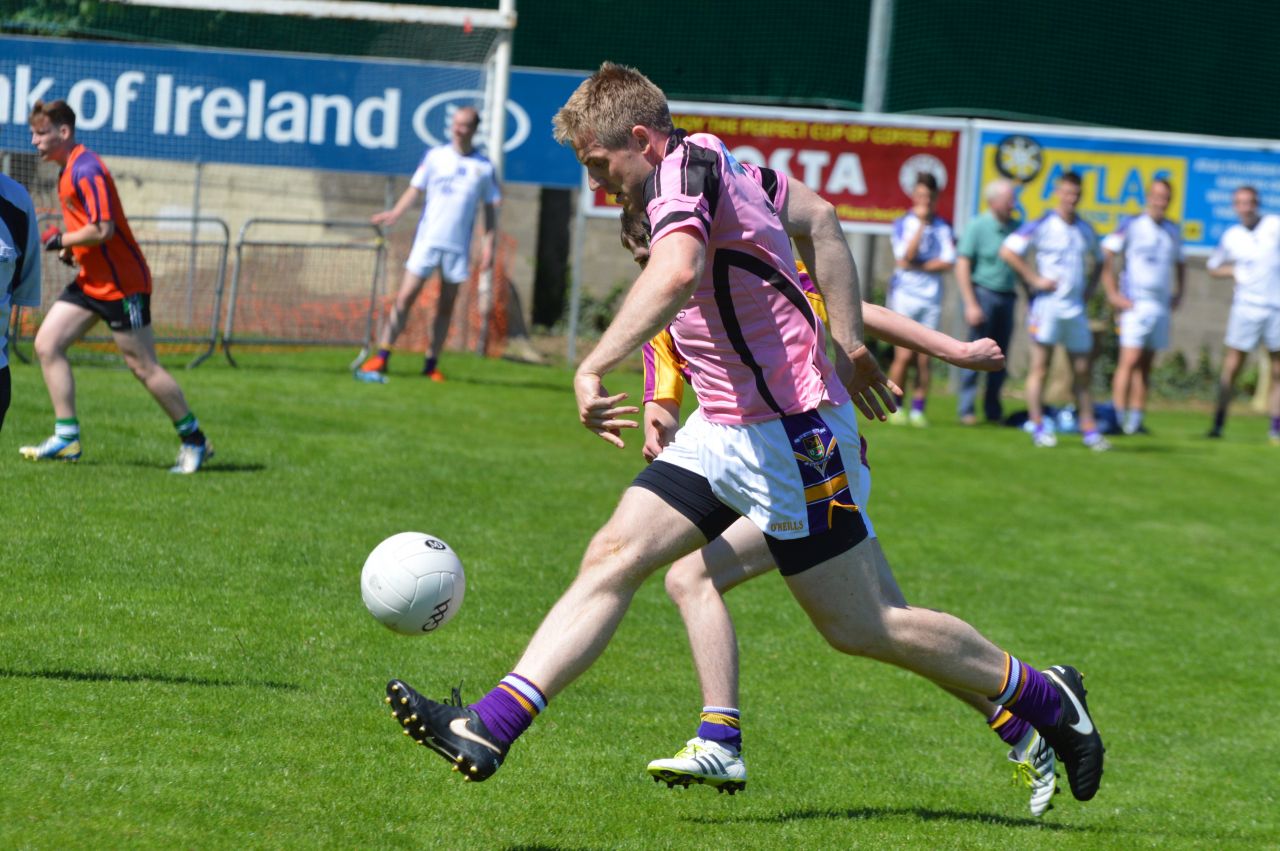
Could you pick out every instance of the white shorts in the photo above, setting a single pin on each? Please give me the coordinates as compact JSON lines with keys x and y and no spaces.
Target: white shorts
{"x":786,"y":475}
{"x":454,"y":266}
{"x":928,"y":312}
{"x":1250,"y":324}
{"x":1144,"y":326}
{"x":1049,"y":329}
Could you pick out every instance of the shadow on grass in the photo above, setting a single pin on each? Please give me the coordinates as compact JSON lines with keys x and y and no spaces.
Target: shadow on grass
{"x":215,"y":466}
{"x":873,"y":813}
{"x":167,"y":679}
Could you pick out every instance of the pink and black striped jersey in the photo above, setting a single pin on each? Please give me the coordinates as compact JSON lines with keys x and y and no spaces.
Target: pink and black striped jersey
{"x":754,"y":346}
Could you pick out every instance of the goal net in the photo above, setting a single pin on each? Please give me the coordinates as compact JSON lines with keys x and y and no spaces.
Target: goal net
{"x":241,"y":110}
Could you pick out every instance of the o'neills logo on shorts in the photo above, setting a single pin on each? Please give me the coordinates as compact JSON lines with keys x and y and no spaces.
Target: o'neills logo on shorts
{"x":787,"y":526}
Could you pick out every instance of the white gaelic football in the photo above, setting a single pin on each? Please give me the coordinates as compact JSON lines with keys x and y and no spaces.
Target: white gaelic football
{"x":412,"y":583}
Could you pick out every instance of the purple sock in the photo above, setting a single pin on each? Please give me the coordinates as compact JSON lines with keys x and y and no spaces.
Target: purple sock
{"x":721,"y":724}
{"x":1028,"y":695}
{"x":1009,"y":727}
{"x":510,"y":708}
{"x":1275,"y":425}
{"x":429,"y":366}
{"x":917,"y":404}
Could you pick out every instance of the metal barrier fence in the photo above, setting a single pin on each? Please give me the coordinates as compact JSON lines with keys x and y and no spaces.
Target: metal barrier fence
{"x":188,"y":260}
{"x":293,"y":283}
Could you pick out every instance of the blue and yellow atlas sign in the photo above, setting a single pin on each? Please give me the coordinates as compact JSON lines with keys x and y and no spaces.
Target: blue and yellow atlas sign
{"x":1116,"y":171}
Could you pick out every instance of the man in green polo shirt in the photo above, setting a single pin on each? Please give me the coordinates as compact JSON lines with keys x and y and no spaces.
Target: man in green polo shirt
{"x":988,"y":288}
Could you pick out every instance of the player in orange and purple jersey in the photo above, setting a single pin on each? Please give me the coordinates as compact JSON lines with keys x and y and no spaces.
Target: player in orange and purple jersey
{"x":113,"y":285}
{"x":775,"y":439}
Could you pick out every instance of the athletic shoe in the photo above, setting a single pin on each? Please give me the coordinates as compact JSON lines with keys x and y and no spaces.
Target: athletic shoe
{"x":1214,"y":433}
{"x":702,"y":761}
{"x":918,"y":419}
{"x":1035,"y":768}
{"x":435,"y":375}
{"x":1074,"y":737}
{"x":1044,"y":439}
{"x":1274,"y":438}
{"x":375,"y":363}
{"x":450,"y":729}
{"x":1098,"y":443}
{"x":53,"y":449}
{"x":370,"y":377}
{"x":191,"y":457}
{"x":968,"y":419}
{"x":898,"y":417}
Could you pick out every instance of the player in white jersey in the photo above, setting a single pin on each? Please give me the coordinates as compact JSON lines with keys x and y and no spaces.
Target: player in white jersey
{"x":1249,"y":253}
{"x":923,"y":249}
{"x":1143,"y":296}
{"x":1061,"y":281}
{"x":456,"y":179}
{"x":775,"y":433}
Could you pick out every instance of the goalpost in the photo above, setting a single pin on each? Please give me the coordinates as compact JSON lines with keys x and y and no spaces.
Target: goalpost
{"x":465,"y":57}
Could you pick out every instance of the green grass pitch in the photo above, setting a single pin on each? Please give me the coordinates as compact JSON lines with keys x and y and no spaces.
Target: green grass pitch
{"x":185,"y":661}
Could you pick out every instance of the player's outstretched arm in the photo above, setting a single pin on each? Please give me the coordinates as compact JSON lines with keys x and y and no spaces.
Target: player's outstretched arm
{"x":665,"y":285}
{"x":387,"y":218}
{"x":884,"y":324}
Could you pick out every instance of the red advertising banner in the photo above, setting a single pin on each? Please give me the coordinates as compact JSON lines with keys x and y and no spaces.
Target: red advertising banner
{"x":864,"y":167}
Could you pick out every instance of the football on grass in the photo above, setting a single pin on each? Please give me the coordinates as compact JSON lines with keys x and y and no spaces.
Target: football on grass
{"x":412,"y":583}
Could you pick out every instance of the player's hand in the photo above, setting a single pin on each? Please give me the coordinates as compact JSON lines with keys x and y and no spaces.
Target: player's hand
{"x":661,"y":422}
{"x":386,"y":218}
{"x":599,"y":412}
{"x":973,"y":315}
{"x":486,"y":256}
{"x":52,"y":239}
{"x":983,"y":355}
{"x":1120,"y":303}
{"x":1043,"y":284}
{"x":871,"y":390}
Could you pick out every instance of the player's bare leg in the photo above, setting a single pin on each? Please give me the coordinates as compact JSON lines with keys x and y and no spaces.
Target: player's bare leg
{"x":643,"y":534}
{"x":916,"y":416}
{"x":375,"y":366}
{"x":856,"y":604}
{"x":139,"y":350}
{"x":1041,"y":356}
{"x":903,"y":358}
{"x":1081,"y":385}
{"x":63,"y":325}
{"x":1273,"y":400}
{"x":440,"y":328}
{"x":1232,"y":361}
{"x":1122,"y":389}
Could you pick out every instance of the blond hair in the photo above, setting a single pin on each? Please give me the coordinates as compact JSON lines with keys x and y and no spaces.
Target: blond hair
{"x":608,"y":104}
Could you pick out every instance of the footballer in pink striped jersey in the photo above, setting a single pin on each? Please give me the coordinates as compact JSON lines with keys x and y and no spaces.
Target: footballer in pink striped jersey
{"x":719,"y":265}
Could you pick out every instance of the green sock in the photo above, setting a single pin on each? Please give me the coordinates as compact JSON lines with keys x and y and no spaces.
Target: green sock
{"x":188,"y":425}
{"x":67,"y":429}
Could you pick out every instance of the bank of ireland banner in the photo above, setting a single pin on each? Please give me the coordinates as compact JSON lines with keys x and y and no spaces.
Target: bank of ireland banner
{"x":1117,"y":166}
{"x":316,"y":112}
{"x":864,"y":165}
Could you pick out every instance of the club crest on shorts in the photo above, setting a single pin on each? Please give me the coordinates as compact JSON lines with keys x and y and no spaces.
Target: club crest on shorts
{"x":814,"y":449}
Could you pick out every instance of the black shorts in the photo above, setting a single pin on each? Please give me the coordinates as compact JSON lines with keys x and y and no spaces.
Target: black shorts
{"x":4,"y":393}
{"x":127,"y":314}
{"x":691,"y":495}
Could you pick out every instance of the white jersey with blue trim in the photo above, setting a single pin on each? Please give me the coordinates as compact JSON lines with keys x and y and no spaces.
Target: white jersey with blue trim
{"x":1062,"y":252}
{"x":455,"y":184}
{"x":1255,"y":254}
{"x":1150,"y":250}
{"x":936,"y":243}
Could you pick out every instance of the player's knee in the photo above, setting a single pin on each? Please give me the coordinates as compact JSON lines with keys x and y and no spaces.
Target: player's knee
{"x":686,"y":580}
{"x":613,"y":559}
